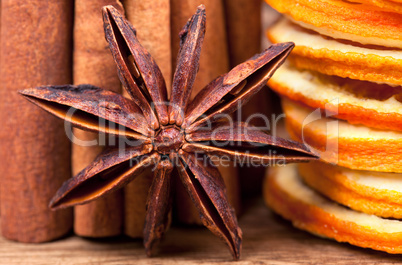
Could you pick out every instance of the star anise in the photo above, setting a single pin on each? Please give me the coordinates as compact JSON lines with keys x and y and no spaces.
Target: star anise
{"x":171,"y":133}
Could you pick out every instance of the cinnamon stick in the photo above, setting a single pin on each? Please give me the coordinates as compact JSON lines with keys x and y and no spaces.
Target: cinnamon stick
{"x":214,"y":54}
{"x":93,"y":64}
{"x":151,"y":19}
{"x":34,"y":152}
{"x":214,"y":61}
{"x":135,"y":195}
{"x":243,"y":24}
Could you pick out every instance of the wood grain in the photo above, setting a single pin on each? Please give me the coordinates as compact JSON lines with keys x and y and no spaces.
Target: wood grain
{"x":268,"y":239}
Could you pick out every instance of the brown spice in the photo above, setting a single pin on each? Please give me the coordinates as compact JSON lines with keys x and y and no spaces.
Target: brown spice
{"x":243,"y":25}
{"x":152,"y":22}
{"x":34,"y":151}
{"x":135,"y":201}
{"x":92,"y":64}
{"x":214,"y":61}
{"x":161,"y":135}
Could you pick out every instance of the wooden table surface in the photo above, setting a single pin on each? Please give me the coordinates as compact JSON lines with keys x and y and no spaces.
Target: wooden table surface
{"x":267,"y":239}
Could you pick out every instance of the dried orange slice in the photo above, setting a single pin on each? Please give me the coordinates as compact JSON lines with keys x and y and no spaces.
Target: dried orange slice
{"x":332,"y":57}
{"x":338,"y":142}
{"x":345,"y":20}
{"x":286,"y":194}
{"x":384,"y":5}
{"x":358,"y":102}
{"x":370,"y":192}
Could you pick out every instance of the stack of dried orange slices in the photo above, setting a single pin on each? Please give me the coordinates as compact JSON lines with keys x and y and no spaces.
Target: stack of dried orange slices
{"x":341,"y":92}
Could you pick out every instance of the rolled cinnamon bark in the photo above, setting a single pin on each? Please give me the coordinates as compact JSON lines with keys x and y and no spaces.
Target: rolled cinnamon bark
{"x":151,"y":19}
{"x":214,"y":54}
{"x":135,"y":195}
{"x":214,"y":61}
{"x":93,"y":64}
{"x":35,"y":152}
{"x":243,"y":24}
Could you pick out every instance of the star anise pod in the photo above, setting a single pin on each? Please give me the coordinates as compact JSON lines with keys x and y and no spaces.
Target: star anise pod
{"x":171,"y":133}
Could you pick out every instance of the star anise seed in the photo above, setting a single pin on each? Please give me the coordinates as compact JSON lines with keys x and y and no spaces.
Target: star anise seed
{"x":167,"y":131}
